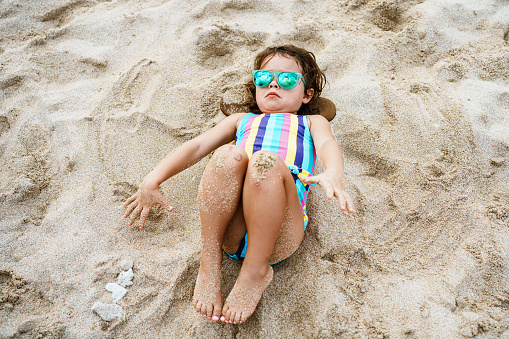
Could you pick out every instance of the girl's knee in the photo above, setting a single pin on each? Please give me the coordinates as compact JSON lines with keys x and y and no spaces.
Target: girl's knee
{"x":263,"y":163}
{"x":232,"y":151}
{"x":230,"y":157}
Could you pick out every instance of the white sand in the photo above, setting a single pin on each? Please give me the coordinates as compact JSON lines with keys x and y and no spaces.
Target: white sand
{"x":94,"y":93}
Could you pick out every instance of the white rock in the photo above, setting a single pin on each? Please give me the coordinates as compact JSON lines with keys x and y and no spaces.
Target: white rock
{"x":107,"y":312}
{"x":117,"y":291}
{"x":126,"y":265}
{"x":125,"y":278}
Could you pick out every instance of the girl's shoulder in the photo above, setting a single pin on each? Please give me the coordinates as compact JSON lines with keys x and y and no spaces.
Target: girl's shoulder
{"x":237,"y":118}
{"x":317,"y":119}
{"x":232,"y":121}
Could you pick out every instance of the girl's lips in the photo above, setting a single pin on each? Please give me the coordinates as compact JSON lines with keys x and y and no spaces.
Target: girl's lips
{"x":272,"y":95}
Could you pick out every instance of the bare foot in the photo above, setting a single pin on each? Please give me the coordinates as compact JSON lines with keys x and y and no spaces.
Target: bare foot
{"x":208,"y":299}
{"x":246,"y":294}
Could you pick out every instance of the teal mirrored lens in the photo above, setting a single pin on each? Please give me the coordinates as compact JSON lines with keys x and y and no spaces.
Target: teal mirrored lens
{"x":262,"y":78}
{"x":287,"y":80}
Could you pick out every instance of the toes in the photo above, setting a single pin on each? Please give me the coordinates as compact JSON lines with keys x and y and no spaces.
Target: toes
{"x":225,"y":314}
{"x":197,"y":306}
{"x":243,"y":318}
{"x":208,"y":311}
{"x":236,"y":318}
{"x":230,"y":316}
{"x":203,"y":310}
{"x":216,"y":314}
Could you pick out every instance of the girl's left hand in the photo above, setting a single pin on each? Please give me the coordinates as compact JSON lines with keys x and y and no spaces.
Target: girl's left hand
{"x":331,"y":183}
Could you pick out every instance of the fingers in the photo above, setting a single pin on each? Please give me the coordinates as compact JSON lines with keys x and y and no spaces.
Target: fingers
{"x":342,"y":201}
{"x":332,"y":189}
{"x":130,"y":200}
{"x":134,"y":215}
{"x":136,"y":208}
{"x":143,"y":217}
{"x":130,"y":208}
{"x":327,"y":186}
{"x":349,"y":204}
{"x":329,"y":191}
{"x":311,"y":180}
{"x":342,"y":198}
{"x":345,"y":202}
{"x":165,"y":204}
{"x":318,"y":180}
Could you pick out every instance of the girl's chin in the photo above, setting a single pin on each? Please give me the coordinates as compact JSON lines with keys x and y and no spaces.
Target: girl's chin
{"x":276,"y":109}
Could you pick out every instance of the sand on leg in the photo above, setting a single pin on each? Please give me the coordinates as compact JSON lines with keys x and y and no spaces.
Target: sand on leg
{"x":273,"y":215}
{"x":218,"y":197}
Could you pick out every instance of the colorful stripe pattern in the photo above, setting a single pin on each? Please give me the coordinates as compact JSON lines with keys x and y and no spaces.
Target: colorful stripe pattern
{"x":288,"y":136}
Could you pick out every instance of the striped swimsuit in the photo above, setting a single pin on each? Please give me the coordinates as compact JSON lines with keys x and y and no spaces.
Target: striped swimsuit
{"x":288,"y":136}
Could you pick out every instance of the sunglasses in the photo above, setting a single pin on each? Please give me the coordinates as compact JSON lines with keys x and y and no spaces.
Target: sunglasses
{"x":285,"y":80}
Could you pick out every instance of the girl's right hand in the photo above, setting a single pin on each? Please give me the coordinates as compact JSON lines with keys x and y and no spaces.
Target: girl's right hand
{"x":140,"y":203}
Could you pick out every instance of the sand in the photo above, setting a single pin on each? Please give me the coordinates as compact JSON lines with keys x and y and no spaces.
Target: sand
{"x":94,"y":93}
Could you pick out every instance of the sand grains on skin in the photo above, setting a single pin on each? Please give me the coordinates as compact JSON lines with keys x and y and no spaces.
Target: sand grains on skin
{"x":208,"y":298}
{"x":263,"y":163}
{"x":245,"y":295}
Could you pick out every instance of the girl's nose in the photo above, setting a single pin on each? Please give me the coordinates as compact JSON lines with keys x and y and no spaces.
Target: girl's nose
{"x":273,"y":83}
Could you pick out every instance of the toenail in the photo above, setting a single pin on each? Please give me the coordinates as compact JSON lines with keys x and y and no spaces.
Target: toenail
{"x":215,"y":318}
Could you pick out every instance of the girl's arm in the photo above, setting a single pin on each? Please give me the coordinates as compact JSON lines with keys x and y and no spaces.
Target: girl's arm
{"x":190,"y":152}
{"x":328,"y":151}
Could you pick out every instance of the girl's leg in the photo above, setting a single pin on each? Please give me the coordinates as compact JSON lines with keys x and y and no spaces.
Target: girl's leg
{"x":218,"y":197}
{"x":273,"y":215}
{"x":236,"y":231}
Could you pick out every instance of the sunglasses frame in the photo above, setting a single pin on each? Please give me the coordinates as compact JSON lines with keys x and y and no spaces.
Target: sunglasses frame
{"x":276,"y":74}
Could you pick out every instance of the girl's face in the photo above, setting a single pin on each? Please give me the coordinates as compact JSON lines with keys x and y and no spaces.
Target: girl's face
{"x":274,"y":99}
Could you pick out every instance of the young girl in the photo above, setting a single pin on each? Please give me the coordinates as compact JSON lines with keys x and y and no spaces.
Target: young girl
{"x":252,"y":197}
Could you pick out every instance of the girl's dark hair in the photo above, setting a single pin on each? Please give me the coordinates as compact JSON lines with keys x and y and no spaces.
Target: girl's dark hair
{"x":310,"y":70}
